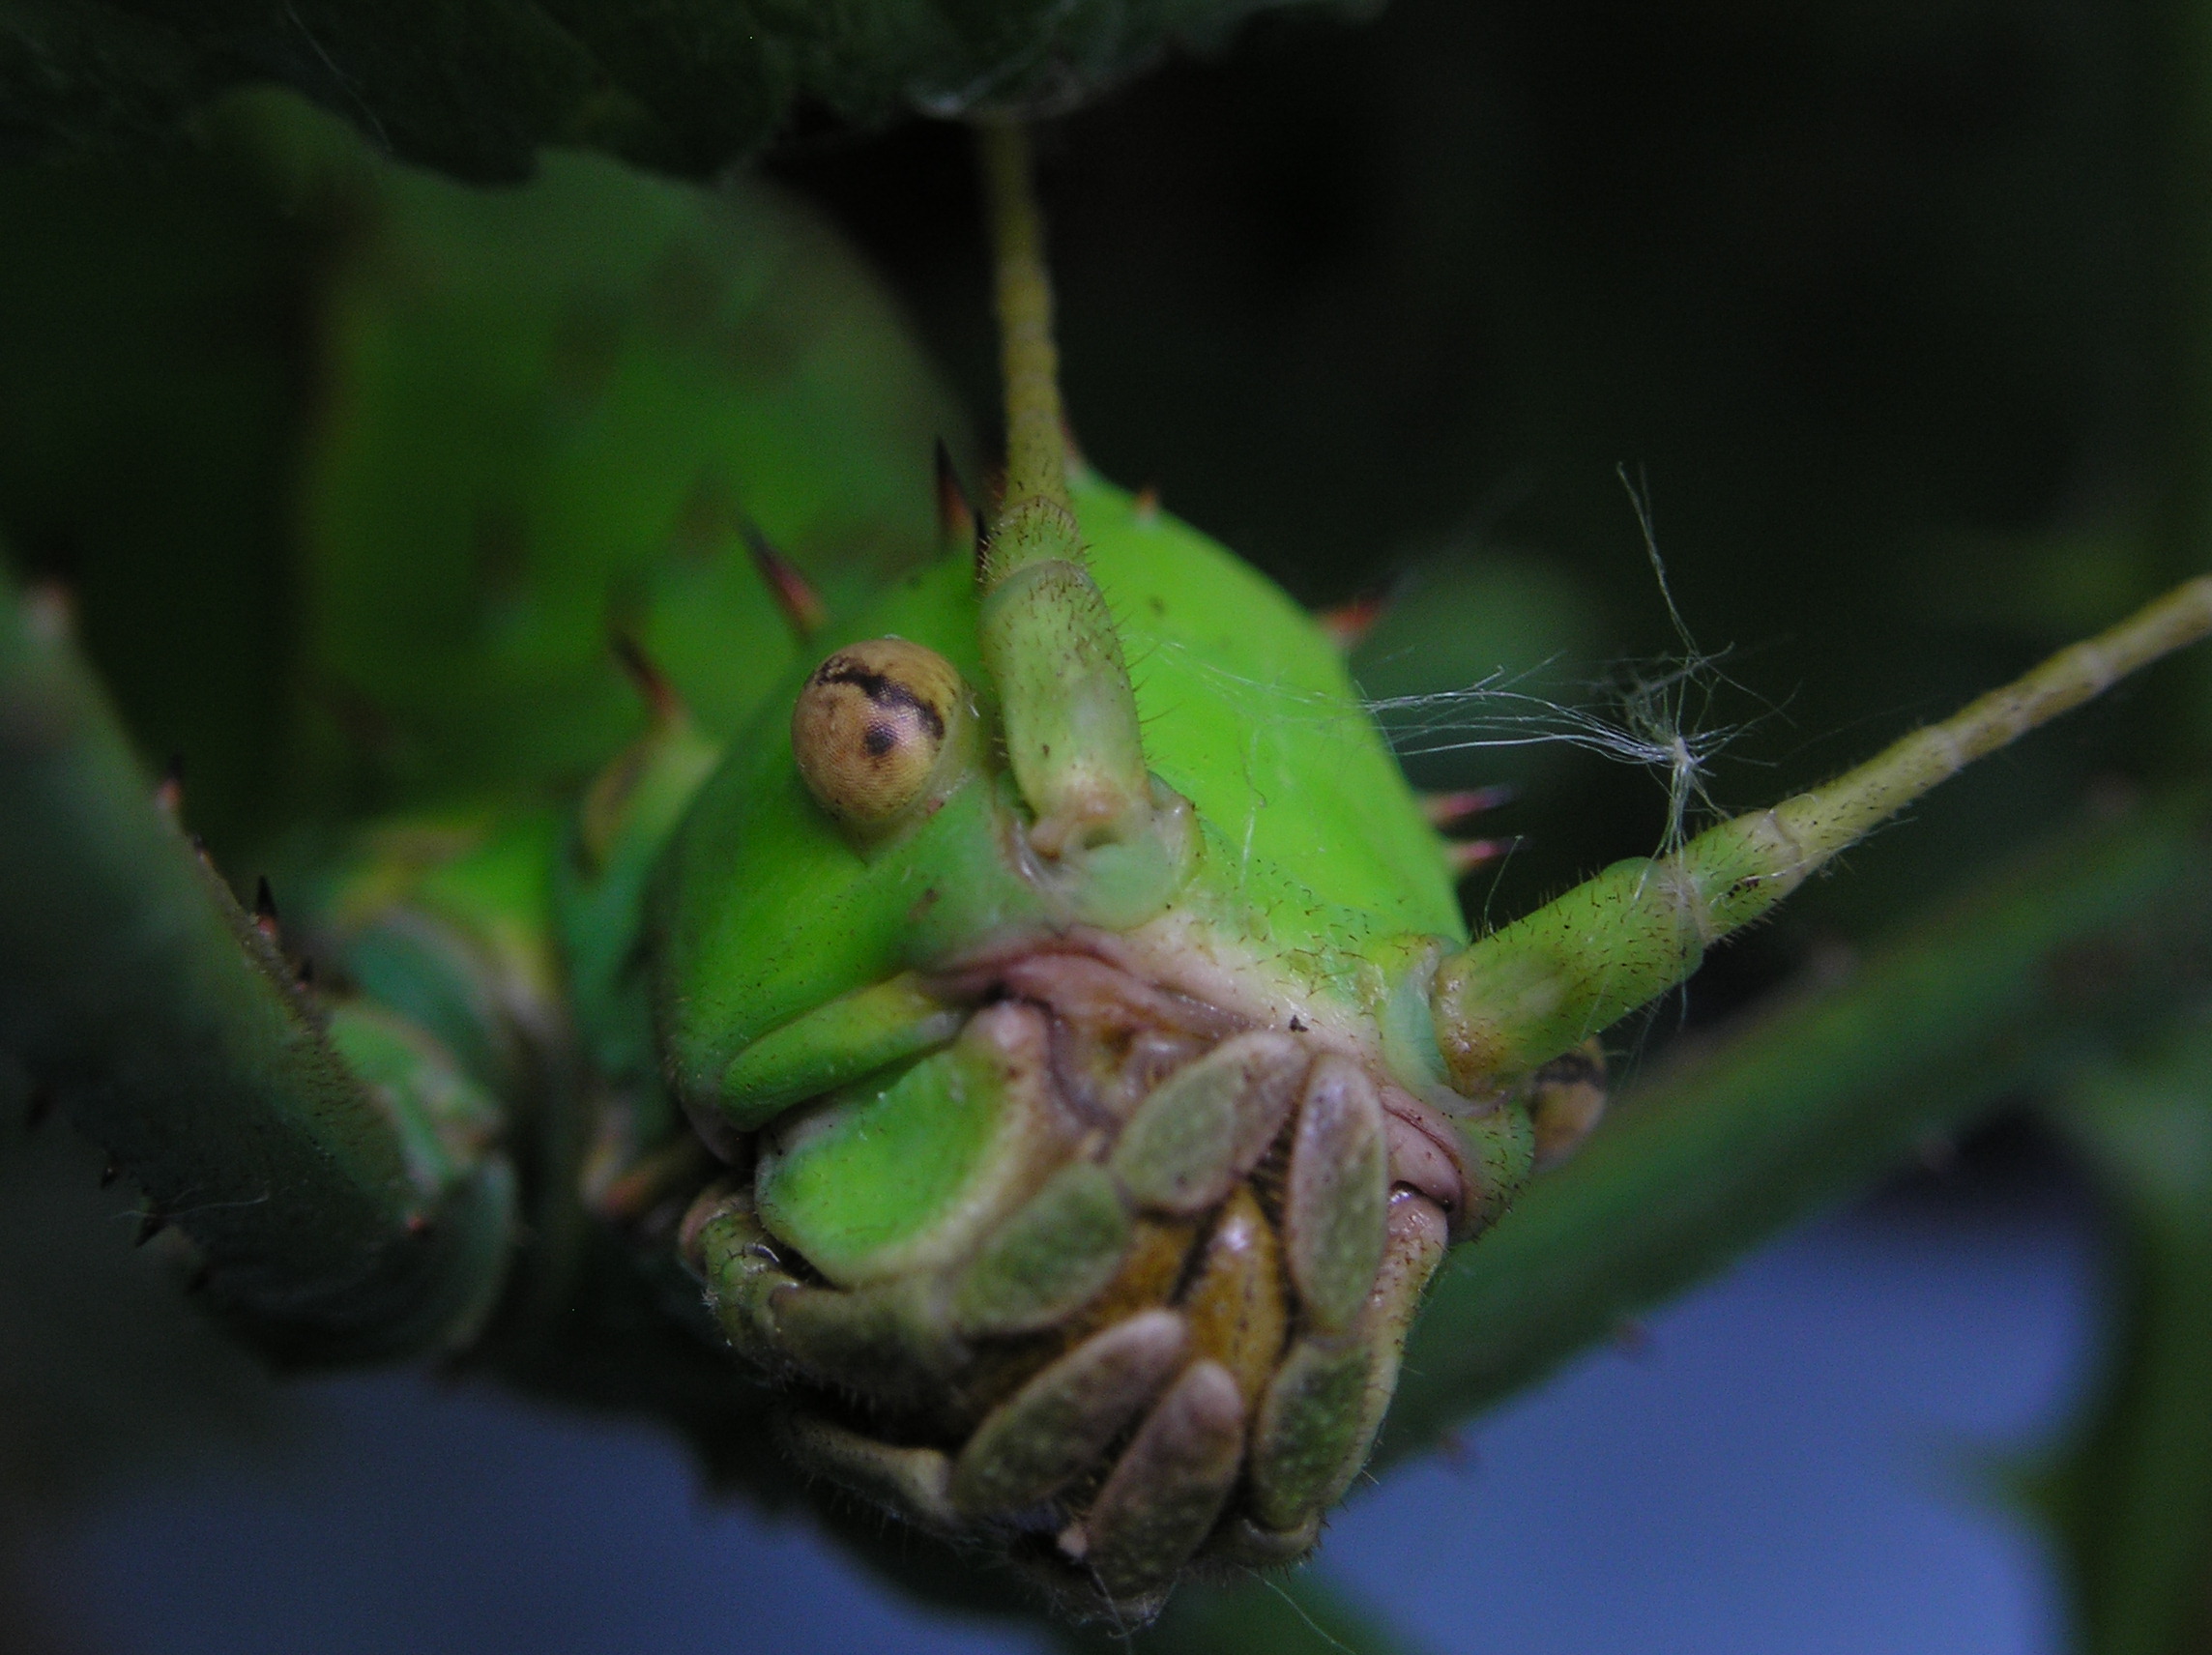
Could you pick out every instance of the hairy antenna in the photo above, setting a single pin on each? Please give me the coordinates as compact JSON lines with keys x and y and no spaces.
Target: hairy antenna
{"x":1541,"y":986}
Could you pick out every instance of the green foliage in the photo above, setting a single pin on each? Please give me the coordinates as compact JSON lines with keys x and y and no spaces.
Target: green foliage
{"x":477,"y":86}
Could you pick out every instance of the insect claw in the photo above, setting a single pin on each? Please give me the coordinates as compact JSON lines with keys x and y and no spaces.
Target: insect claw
{"x":265,"y":918}
{"x":800,"y":603}
{"x":1349,"y":623}
{"x":1443,"y":809}
{"x":1468,"y":855}
{"x":660,"y":696}
{"x":169,"y":791}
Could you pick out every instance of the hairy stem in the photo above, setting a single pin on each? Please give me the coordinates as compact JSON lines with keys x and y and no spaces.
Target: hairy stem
{"x":2093,"y":933}
{"x":1546,"y":982}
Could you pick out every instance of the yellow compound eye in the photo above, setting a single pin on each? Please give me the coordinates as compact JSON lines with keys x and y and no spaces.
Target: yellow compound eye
{"x":869,"y":726}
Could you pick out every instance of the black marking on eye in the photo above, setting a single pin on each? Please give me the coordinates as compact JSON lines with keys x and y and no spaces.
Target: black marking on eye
{"x":879,"y":740}
{"x":881,"y":690}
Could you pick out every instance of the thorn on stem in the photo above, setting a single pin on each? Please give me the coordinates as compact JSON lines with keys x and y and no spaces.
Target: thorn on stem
{"x":800,"y":603}
{"x":265,"y":917}
{"x":1145,"y":508}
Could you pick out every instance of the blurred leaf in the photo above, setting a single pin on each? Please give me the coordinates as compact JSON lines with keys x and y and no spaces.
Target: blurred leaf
{"x":2130,"y":1499}
{"x":475,"y":86}
{"x":555,"y":413}
{"x":337,"y":550}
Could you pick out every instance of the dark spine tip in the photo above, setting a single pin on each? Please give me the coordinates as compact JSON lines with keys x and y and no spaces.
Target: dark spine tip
{"x":1466,"y":855}
{"x":651,"y":683}
{"x":169,"y":791}
{"x":109,"y":1173}
{"x":1447,"y":809}
{"x":956,"y":510}
{"x":265,"y":917}
{"x":50,"y":609}
{"x":802,"y":605}
{"x":1349,"y":623}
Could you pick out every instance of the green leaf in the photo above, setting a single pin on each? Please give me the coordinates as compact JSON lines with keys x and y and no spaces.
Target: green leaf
{"x":475,"y":86}
{"x":2129,"y":1502}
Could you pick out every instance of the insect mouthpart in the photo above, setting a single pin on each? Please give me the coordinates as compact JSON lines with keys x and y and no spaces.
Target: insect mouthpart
{"x":1132,"y":1292}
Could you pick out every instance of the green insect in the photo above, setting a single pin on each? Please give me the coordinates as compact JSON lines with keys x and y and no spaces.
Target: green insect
{"x":1056,"y":1084}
